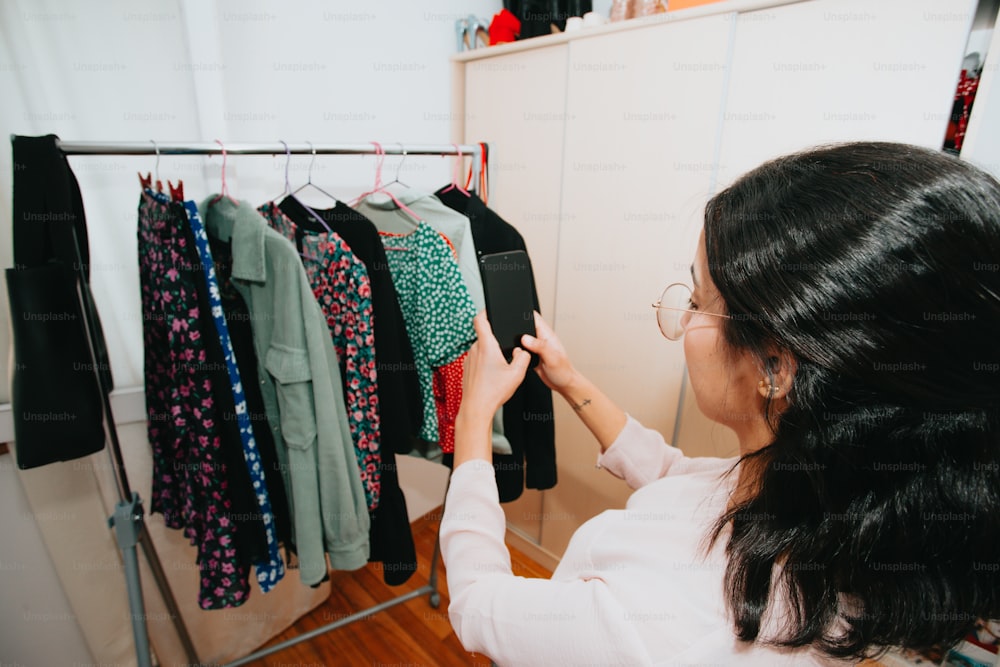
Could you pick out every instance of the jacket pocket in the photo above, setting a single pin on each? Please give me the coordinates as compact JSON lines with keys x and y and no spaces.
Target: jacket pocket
{"x":293,"y":383}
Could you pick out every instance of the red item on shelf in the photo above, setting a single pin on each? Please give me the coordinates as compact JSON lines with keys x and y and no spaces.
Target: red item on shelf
{"x":505,"y":27}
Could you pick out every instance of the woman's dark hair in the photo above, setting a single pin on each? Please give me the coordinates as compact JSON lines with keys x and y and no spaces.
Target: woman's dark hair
{"x":877,"y":267}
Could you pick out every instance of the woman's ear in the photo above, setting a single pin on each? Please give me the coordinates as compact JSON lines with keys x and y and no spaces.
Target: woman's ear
{"x":778,"y":374}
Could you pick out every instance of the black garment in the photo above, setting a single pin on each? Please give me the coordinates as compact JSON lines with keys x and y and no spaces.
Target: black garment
{"x":527,"y":416}
{"x":241,"y":336}
{"x":537,"y":16}
{"x":251,"y":539}
{"x":400,"y":408}
{"x":55,"y":395}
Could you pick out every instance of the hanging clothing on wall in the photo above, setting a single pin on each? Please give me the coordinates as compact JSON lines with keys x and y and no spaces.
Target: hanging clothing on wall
{"x":436,"y":306}
{"x":301,"y":385}
{"x":965,"y":96}
{"x":454,"y":226}
{"x":269,"y":567}
{"x":250,"y":473}
{"x":528,"y":416}
{"x":388,"y":217}
{"x":398,"y":386}
{"x":397,"y":392}
{"x":447,"y":388}
{"x":184,"y":421}
{"x":53,"y":369}
{"x":340,"y":284}
{"x":241,"y":336}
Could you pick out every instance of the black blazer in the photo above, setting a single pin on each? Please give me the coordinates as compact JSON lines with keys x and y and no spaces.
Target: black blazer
{"x":527,"y":416}
{"x":55,"y":393}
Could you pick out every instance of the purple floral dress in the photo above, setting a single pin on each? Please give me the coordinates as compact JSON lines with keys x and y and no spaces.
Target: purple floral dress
{"x":340,"y":283}
{"x":189,"y":484}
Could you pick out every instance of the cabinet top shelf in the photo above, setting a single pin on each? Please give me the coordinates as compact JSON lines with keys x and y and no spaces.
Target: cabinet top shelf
{"x":721,"y":8}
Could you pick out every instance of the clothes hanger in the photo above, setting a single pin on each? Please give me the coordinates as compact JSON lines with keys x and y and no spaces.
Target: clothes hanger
{"x":481,"y":189}
{"x":380,"y":157}
{"x":288,"y":192}
{"x":225,"y":188}
{"x":176,"y":193}
{"x":455,"y":172}
{"x":156,"y":169}
{"x":159,"y":183}
{"x":398,"y":167}
{"x":146,"y":182}
{"x":309,"y":182}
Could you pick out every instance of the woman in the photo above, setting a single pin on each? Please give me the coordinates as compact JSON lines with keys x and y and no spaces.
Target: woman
{"x":845,"y":323}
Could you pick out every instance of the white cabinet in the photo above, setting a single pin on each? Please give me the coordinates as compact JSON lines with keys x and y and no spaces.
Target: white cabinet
{"x":518,"y":103}
{"x":606,"y":144}
{"x":640,"y":145}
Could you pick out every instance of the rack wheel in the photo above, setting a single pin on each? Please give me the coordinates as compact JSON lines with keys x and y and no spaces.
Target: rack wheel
{"x":435,"y":600}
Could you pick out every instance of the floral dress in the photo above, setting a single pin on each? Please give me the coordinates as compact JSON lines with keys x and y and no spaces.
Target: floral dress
{"x":189,"y":487}
{"x":340,"y":283}
{"x":436,"y":306}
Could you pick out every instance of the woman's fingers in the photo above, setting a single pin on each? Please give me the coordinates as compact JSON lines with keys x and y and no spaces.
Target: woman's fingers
{"x":484,"y":332}
{"x":489,"y":380}
{"x":519,"y":362}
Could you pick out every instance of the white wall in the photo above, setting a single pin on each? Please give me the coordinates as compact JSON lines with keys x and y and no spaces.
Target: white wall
{"x":195,"y":70}
{"x":228,"y":69}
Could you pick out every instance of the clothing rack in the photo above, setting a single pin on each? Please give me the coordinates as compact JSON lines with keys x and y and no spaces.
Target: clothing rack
{"x":186,"y":148}
{"x":127,"y":520}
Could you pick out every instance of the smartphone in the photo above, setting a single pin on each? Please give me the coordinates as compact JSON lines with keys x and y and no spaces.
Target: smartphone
{"x":509,"y":290}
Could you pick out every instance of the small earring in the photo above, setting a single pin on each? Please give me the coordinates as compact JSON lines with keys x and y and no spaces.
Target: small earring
{"x":764,"y":384}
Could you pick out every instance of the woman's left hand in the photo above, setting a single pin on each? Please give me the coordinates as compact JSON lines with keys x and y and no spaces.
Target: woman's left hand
{"x":488,"y":380}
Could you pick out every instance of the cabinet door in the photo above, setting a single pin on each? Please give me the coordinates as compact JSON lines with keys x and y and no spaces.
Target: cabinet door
{"x":841,"y":70}
{"x":517,"y":103}
{"x":642,"y":118}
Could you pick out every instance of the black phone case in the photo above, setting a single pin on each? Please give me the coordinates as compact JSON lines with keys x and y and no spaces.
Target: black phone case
{"x":507,"y":286}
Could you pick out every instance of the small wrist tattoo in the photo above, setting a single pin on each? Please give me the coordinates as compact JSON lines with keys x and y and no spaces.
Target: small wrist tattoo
{"x":581,"y":406}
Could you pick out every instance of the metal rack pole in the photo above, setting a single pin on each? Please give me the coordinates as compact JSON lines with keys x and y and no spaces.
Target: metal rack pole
{"x":276,"y":148}
{"x":132,"y":512}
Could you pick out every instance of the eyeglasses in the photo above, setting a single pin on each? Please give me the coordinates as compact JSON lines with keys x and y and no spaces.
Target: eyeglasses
{"x":673,"y":311}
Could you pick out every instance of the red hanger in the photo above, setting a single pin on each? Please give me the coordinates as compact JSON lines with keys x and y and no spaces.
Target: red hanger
{"x":454,"y":174}
{"x":482,"y":188}
{"x":176,"y":194}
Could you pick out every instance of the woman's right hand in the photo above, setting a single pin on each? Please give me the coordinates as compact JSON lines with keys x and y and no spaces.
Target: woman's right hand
{"x":554,"y":366}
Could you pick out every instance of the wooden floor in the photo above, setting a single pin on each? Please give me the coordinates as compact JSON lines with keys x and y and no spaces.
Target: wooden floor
{"x":411,"y":634}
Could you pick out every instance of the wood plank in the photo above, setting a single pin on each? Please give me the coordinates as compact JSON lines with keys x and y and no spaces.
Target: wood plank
{"x":412,"y":633}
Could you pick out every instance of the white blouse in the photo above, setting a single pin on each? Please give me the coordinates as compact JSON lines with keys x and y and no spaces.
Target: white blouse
{"x":634,"y":587}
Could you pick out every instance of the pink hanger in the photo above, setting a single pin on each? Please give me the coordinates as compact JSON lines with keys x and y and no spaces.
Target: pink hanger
{"x":225,"y":188}
{"x":454,"y":175}
{"x":380,"y":153}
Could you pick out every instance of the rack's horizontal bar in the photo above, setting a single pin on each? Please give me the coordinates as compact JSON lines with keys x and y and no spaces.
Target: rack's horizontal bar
{"x":276,"y":148}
